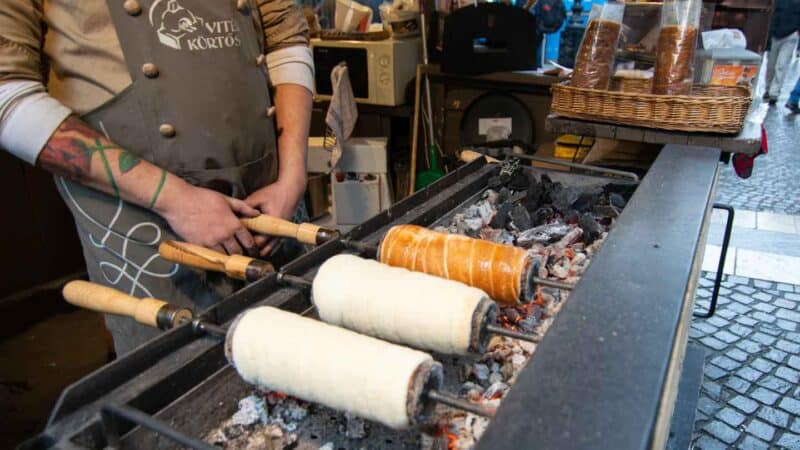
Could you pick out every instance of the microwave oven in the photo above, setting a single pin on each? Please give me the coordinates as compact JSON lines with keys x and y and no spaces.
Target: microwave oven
{"x":380,"y":71}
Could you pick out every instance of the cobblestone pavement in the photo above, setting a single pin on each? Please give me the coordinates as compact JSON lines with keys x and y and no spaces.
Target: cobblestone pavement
{"x":774,"y":185}
{"x":750,"y":397}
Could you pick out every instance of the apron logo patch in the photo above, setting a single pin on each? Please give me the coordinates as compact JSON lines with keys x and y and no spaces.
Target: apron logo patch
{"x":179,"y":28}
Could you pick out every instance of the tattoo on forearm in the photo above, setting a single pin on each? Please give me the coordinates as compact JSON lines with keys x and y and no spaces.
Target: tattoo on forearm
{"x":69,"y":153}
{"x":66,"y":153}
{"x":158,"y":189}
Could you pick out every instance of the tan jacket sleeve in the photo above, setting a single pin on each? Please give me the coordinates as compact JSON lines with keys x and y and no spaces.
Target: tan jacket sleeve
{"x":21,"y":40}
{"x":283,"y":22}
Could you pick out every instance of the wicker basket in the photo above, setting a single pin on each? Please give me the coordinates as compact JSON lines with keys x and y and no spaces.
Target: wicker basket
{"x":637,"y":85}
{"x":715,"y":109}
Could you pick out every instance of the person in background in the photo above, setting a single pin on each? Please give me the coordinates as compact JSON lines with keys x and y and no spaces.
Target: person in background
{"x":794,"y":99}
{"x":784,"y":35}
{"x":156,"y":118}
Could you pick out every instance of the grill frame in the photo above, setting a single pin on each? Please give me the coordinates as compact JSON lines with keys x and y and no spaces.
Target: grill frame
{"x":173,"y":368}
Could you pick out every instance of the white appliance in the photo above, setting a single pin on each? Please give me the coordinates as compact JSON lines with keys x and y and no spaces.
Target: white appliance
{"x":379,"y":71}
{"x":360,"y":185}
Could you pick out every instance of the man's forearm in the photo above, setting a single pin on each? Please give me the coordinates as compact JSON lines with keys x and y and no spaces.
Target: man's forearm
{"x":293,"y":114}
{"x":78,"y":152}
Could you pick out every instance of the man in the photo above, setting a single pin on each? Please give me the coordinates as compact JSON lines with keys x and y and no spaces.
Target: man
{"x":784,"y":32}
{"x":158,"y":123}
{"x":794,"y":99}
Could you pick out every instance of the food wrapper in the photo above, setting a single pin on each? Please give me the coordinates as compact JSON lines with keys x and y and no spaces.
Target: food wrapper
{"x":594,"y":62}
{"x":680,"y":20}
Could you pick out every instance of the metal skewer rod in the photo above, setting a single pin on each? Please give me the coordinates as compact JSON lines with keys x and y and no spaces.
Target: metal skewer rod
{"x":553,"y":284}
{"x":210,"y":328}
{"x":365,"y":249}
{"x":458,"y":403}
{"x":497,"y":329}
{"x":294,"y":281}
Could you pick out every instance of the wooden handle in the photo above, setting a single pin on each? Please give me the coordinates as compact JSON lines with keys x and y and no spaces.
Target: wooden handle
{"x":111,"y":301}
{"x":468,"y":156}
{"x":186,"y":254}
{"x":273,"y":226}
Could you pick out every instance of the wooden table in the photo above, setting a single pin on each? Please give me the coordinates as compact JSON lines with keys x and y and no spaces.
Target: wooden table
{"x":748,"y":141}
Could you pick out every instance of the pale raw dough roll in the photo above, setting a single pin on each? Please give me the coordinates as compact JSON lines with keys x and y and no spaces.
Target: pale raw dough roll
{"x":399,"y":305}
{"x":321,"y":363}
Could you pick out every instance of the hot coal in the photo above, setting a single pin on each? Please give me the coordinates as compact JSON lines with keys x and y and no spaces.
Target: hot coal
{"x":500,"y":219}
{"x":561,"y":240}
{"x":543,"y":234}
{"x":543,"y":215}
{"x":591,"y":229}
{"x":520,"y":218}
{"x":617,"y":200}
{"x":520,"y":181}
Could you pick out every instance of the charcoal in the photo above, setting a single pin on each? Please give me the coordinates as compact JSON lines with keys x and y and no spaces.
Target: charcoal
{"x":568,"y":239}
{"x":491,"y":196}
{"x":355,"y":427}
{"x":533,"y":196}
{"x":252,"y":409}
{"x":561,"y":269}
{"x":606,"y":211}
{"x":586,"y":201}
{"x":564,"y":198}
{"x":480,"y":372}
{"x":507,"y":370}
{"x":495,"y":182}
{"x":499,"y":181}
{"x":496,"y":390}
{"x":503,"y":195}
{"x":591,"y":229}
{"x":495,"y":377}
{"x":542,"y":215}
{"x":469,"y":386}
{"x":473,"y":226}
{"x":617,"y":200}
{"x":571,"y":217}
{"x":519,"y":181}
{"x":520,"y":218}
{"x":501,"y":216}
{"x":497,"y":235}
{"x":624,"y":190}
{"x":543,"y":234}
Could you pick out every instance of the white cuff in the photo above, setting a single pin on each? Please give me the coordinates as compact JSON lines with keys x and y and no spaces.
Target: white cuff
{"x":28,"y":117}
{"x":291,"y":65}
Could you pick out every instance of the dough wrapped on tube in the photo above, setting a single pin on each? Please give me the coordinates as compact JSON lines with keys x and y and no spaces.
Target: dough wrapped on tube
{"x":278,"y":350}
{"x":402,"y":306}
{"x":502,"y":271}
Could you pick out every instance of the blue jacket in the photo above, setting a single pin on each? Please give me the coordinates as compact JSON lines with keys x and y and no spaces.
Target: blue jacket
{"x":785,"y":18}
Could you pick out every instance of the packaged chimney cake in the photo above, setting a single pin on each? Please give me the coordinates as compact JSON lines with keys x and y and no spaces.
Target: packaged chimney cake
{"x":677,"y":39}
{"x":594,"y":62}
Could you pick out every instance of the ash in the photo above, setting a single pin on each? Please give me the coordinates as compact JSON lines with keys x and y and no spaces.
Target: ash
{"x":562,"y":227}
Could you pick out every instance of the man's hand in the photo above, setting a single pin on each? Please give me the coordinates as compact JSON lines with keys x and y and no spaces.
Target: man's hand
{"x":208,"y":218}
{"x":278,"y":199}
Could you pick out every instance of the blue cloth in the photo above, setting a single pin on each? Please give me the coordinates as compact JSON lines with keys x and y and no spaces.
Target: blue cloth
{"x":794,"y":97}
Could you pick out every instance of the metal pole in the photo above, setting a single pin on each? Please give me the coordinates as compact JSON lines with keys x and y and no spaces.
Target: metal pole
{"x":294,"y":281}
{"x":212,"y":329}
{"x":458,"y":403}
{"x":553,"y":284}
{"x":497,"y":329}
{"x":365,"y":249}
{"x":139,"y":418}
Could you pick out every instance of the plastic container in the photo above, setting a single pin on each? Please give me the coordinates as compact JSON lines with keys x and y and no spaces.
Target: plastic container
{"x":594,"y":62}
{"x":680,"y":20}
{"x":352,"y":16}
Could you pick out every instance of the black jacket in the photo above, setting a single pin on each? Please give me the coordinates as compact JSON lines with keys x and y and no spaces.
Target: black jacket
{"x":785,"y":18}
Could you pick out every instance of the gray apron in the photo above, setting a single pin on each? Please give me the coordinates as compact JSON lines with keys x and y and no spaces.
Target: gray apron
{"x":198,"y":107}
